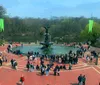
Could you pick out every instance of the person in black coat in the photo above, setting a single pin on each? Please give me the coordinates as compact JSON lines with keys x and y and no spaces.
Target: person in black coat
{"x":80,"y":79}
{"x":55,"y":71}
{"x":42,"y":70}
{"x":0,"y":62}
{"x":28,"y":66}
{"x":58,"y":70}
{"x":15,"y":64}
{"x":37,"y":67}
{"x":64,"y":67}
{"x":12,"y":62}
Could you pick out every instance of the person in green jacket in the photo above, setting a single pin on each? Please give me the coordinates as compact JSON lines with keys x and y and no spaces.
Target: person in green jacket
{"x":83,"y":79}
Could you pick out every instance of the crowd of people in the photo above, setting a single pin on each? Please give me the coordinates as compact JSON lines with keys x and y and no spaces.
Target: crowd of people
{"x":70,"y":58}
{"x":60,"y":60}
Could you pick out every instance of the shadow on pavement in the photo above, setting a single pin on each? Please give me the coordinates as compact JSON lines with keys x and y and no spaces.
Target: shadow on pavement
{"x":73,"y":84}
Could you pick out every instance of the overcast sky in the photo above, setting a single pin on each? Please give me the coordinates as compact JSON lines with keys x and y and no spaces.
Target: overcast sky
{"x":49,"y":8}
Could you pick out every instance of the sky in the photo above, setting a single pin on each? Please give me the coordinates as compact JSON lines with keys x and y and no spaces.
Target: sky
{"x":50,"y":8}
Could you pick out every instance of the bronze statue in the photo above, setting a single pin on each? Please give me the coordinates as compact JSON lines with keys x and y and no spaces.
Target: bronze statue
{"x":46,"y":42}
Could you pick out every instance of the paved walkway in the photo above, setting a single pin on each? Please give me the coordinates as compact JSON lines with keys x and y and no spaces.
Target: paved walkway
{"x":9,"y":76}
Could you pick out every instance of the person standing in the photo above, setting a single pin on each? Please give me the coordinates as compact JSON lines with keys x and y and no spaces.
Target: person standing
{"x":42,"y":70}
{"x":8,"y":48}
{"x":31,"y":67}
{"x":0,"y":62}
{"x":12,"y":62}
{"x":70,"y":66}
{"x":64,"y":67}
{"x":15,"y":64}
{"x":58,"y":71}
{"x":47,"y":70}
{"x":55,"y":71}
{"x":37,"y":67}
{"x":28,"y":66}
{"x":80,"y":79}
{"x":84,"y":79}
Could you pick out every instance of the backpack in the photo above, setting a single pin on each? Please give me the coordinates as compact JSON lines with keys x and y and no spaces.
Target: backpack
{"x":15,"y":63}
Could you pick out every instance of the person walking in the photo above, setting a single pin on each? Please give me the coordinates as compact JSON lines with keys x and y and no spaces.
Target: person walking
{"x":21,"y":81}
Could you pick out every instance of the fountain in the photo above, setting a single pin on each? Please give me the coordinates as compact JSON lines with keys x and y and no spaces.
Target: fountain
{"x":46,"y":47}
{"x":46,"y":44}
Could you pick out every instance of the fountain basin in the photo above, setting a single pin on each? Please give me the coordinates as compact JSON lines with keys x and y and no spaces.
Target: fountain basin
{"x":55,"y":49}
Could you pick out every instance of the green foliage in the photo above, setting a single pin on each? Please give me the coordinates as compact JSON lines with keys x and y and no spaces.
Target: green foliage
{"x":97,"y":44}
{"x":2,"y":42}
{"x":31,"y":29}
{"x":91,"y":36}
{"x":62,"y":29}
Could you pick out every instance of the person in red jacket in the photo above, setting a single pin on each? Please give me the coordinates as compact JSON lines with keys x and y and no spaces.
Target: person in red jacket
{"x":22,"y":79}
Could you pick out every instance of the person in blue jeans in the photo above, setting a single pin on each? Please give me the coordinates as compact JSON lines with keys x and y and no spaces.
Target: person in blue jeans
{"x":47,"y":71}
{"x":80,"y":78}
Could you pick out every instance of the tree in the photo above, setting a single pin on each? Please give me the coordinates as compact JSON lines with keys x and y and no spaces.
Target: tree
{"x":64,"y":29}
{"x":2,"y":11}
{"x":92,"y":36}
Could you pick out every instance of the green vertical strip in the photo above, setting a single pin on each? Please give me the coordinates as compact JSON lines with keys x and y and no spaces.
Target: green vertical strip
{"x":90,"y":25}
{"x":1,"y":25}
